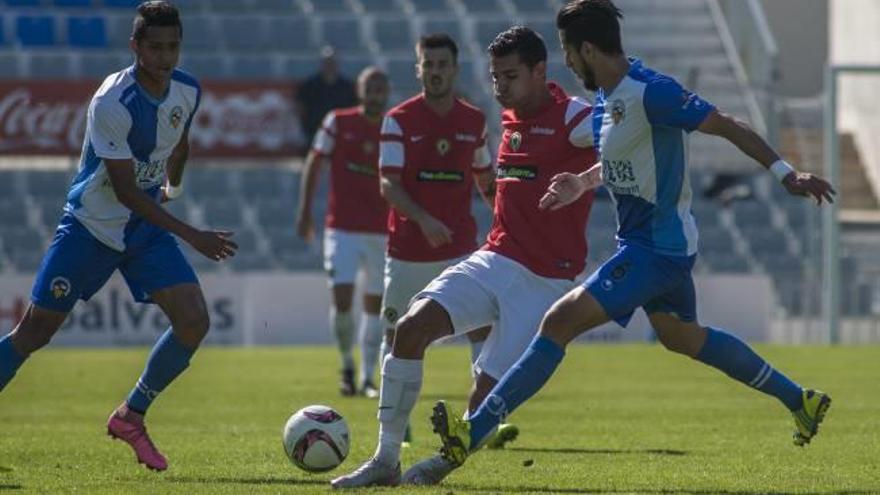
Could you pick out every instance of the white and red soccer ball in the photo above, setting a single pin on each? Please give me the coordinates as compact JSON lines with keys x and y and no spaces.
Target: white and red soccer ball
{"x":316,"y":438}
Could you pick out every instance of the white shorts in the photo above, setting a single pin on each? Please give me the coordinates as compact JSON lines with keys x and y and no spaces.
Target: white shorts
{"x":403,"y":280}
{"x":488,"y":288}
{"x":345,"y":252}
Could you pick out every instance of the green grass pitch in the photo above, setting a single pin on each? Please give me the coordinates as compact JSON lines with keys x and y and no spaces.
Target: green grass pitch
{"x":614,"y":419}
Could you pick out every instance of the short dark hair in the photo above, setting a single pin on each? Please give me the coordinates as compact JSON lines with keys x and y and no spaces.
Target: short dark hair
{"x":520,"y":40}
{"x":594,"y":21}
{"x":438,"y":40}
{"x":155,"y":13}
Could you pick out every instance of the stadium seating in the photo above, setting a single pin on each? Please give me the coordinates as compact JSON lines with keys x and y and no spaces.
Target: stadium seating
{"x":278,"y":40}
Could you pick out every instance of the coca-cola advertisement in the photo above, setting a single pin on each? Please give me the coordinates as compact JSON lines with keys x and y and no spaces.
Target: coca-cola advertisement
{"x":234,"y":119}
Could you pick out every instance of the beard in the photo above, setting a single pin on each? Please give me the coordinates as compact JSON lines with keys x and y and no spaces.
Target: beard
{"x":589,"y":80}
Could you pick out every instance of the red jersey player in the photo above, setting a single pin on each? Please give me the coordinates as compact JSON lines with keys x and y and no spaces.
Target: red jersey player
{"x":519,"y":273}
{"x":355,"y":225}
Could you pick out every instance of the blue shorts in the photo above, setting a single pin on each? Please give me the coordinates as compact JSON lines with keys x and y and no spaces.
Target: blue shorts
{"x":77,"y":264}
{"x":638,"y":277}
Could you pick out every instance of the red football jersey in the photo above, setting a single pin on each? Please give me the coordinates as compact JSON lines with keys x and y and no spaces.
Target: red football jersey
{"x":435,"y":157}
{"x":533,"y":150}
{"x":351,"y":142}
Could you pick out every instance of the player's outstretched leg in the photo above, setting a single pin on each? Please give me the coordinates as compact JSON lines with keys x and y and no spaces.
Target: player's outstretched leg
{"x":729,"y":354}
{"x":34,"y":331}
{"x":185,"y":307}
{"x":425,"y":322}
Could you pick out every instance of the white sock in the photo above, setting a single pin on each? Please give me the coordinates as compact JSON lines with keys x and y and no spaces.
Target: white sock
{"x":401,"y":383}
{"x":476,"y":348}
{"x":372,"y":333}
{"x":342,"y":325}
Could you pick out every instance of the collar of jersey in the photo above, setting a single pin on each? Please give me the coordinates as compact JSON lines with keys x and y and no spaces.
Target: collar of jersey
{"x":635,"y":65}
{"x":143,"y":92}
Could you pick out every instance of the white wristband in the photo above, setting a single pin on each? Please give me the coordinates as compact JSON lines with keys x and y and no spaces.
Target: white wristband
{"x":781,"y":169}
{"x":172,"y":192}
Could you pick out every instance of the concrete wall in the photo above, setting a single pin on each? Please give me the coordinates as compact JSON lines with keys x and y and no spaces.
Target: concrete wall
{"x":801,"y":31}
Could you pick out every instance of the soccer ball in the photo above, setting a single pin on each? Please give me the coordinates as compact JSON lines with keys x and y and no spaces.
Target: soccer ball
{"x":315,"y":439}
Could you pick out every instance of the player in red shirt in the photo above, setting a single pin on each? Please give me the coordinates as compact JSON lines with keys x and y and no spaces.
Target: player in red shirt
{"x":355,"y":224}
{"x":519,"y":273}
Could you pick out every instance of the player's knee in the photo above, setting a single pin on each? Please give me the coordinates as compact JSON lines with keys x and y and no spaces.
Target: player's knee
{"x":34,"y":331}
{"x":425,"y":322}
{"x":677,"y":336}
{"x":192,"y":325}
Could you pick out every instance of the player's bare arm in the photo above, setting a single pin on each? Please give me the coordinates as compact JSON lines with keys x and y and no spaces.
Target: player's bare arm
{"x":566,"y":188}
{"x":215,"y":245}
{"x":173,"y":187}
{"x":752,"y":144}
{"x":435,"y":231}
{"x":485,"y":181}
{"x":305,"y":223}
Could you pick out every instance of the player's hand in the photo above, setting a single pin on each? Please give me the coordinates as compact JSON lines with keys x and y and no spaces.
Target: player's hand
{"x":564,"y":189}
{"x":305,"y":228}
{"x":435,"y":231}
{"x":214,"y":244}
{"x":810,"y":186}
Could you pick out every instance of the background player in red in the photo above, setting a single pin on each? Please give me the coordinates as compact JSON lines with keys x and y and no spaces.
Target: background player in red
{"x":517,"y":275}
{"x":355,"y":224}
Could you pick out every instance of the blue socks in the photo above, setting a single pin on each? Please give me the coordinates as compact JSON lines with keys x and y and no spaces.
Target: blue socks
{"x":521,"y":381}
{"x":735,"y":358}
{"x":10,"y":361}
{"x":167,"y":360}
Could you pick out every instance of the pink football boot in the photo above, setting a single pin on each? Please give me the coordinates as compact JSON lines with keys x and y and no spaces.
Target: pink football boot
{"x":128,"y":426}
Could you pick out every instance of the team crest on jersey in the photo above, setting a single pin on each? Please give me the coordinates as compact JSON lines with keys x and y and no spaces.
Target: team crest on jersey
{"x":176,"y":116}
{"x":515,"y":141}
{"x":443,"y":146}
{"x":368,"y":147}
{"x":60,"y":287}
{"x":618,"y":111}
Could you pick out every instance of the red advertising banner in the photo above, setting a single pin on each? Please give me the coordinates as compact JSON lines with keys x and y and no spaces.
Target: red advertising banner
{"x":234,"y":119}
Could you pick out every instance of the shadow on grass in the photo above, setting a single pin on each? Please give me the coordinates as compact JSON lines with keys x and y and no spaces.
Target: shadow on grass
{"x":269,"y":480}
{"x":544,"y":489}
{"x":4,"y":469}
{"x":9,"y":487}
{"x":600,"y":451}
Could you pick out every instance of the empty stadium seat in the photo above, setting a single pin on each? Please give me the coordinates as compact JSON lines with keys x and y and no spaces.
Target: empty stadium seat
{"x":51,"y":65}
{"x":73,"y":3}
{"x":277,"y":213}
{"x":381,"y":6}
{"x":99,"y":65}
{"x":86,"y":32}
{"x":291,"y":34}
{"x":249,"y":66}
{"x":205,"y":66}
{"x":344,"y":34}
{"x":452,"y":27}
{"x":533,"y":7}
{"x":281,"y":7}
{"x":48,"y":184}
{"x":332,"y":6}
{"x":35,"y":31}
{"x":482,"y":7}
{"x":135,"y":3}
{"x":393,"y":34}
{"x":223,"y":212}
{"x":3,"y":40}
{"x":23,"y":3}
{"x":431,"y":6}
{"x":244,"y":33}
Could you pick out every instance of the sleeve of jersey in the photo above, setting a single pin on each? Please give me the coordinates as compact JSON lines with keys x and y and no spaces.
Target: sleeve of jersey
{"x":391,"y":158}
{"x":325,"y":138}
{"x":109,"y":123}
{"x":669,"y":104}
{"x":578,"y":120}
{"x":482,"y":157}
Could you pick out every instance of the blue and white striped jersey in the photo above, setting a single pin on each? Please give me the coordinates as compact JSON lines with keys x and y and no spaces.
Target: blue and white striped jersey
{"x":125,"y":123}
{"x":641,"y":128}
